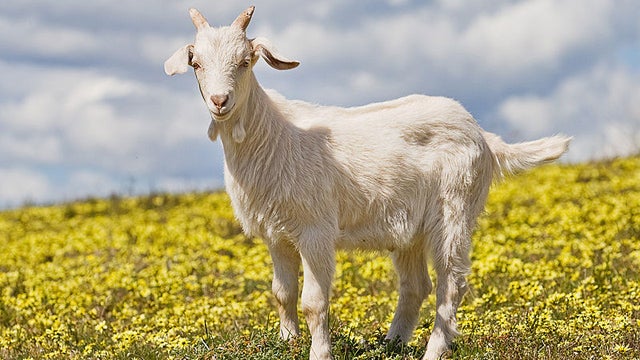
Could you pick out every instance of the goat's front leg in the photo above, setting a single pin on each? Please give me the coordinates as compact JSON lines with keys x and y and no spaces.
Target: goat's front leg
{"x":318,"y":262}
{"x":286,"y":264}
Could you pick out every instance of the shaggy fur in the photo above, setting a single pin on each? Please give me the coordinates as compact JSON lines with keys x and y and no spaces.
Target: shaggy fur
{"x":409,"y":176}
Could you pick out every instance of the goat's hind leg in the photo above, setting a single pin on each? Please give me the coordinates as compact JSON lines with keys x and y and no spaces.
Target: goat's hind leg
{"x":286,"y":265}
{"x":415,"y":286}
{"x":452,"y":264}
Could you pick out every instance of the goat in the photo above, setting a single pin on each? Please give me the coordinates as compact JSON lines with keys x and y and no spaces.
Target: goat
{"x":409,"y":176}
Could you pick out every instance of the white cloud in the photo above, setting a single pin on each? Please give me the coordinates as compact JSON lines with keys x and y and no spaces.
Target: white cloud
{"x":75,"y":105}
{"x":100,"y":129}
{"x":535,"y":33}
{"x":529,"y":114}
{"x":48,"y":40}
{"x":317,"y":42}
{"x":18,"y":184}
{"x":599,"y":108}
{"x":156,"y":49}
{"x":41,"y":148}
{"x":362,"y":81}
{"x":480,"y":50}
{"x":83,"y":183}
{"x":182,"y":184}
{"x":87,"y":116}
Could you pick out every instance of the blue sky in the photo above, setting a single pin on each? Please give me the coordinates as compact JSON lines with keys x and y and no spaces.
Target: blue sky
{"x":86,"y":110}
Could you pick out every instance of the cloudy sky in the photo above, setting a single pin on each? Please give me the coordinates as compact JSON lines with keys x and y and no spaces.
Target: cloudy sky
{"x":86,"y":110}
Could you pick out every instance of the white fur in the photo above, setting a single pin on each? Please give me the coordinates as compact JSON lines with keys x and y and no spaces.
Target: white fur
{"x":409,"y":176}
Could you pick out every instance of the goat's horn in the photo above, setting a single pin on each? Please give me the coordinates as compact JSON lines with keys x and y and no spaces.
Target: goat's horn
{"x":198,"y":20}
{"x":242,"y":21}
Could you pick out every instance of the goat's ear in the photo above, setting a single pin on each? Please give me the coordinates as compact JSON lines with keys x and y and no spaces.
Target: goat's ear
{"x":263,"y":48}
{"x":179,"y":62}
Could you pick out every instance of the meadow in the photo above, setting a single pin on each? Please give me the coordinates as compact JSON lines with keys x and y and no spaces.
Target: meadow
{"x":556,"y":274}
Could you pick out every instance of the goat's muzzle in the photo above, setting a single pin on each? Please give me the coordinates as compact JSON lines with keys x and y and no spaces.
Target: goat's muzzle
{"x":220,"y":102}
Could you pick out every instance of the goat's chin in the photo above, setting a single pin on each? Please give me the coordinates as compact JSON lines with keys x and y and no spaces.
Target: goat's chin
{"x":221,"y":116}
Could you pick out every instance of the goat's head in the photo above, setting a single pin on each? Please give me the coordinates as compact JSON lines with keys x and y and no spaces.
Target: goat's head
{"x":222,"y":59}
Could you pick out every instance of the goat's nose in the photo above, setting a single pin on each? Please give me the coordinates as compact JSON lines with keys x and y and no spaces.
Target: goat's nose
{"x":219,"y":100}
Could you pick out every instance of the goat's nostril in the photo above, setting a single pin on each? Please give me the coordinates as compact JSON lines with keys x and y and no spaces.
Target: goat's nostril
{"x":219,"y":100}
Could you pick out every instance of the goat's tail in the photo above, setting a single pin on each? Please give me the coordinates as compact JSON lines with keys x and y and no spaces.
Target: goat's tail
{"x":514,"y":158}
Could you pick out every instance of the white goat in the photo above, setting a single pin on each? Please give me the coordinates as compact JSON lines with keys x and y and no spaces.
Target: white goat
{"x":409,"y":176}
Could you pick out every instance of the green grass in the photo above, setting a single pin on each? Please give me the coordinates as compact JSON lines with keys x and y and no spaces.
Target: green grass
{"x":556,"y":274}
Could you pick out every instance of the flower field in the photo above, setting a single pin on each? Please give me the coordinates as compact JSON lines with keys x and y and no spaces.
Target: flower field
{"x":556,"y":274}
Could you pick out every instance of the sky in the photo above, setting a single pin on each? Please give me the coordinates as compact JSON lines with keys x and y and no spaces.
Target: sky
{"x":86,"y":109}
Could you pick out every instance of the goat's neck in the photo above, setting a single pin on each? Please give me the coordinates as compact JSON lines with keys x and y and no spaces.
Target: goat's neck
{"x":267,"y":132}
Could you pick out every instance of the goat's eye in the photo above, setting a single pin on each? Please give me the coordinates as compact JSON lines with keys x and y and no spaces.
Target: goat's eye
{"x":246,"y":62}
{"x":195,"y":65}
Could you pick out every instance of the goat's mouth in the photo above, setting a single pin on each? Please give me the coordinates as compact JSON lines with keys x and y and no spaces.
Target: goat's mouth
{"x":221,"y":114}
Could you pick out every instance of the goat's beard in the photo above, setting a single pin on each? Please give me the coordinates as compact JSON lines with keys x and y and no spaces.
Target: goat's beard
{"x":238,"y":132}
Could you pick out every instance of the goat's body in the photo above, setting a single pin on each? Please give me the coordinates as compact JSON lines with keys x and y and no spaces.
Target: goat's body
{"x":375,"y":189}
{"x":409,"y":176}
{"x":309,"y":180}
